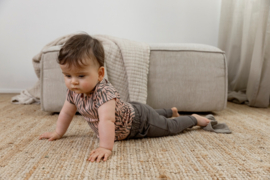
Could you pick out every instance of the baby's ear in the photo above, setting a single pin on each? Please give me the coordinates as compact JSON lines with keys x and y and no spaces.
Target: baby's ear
{"x":101,"y":73}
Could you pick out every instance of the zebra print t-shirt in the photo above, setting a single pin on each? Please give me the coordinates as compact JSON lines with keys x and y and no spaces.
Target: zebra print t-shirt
{"x":87,"y":106}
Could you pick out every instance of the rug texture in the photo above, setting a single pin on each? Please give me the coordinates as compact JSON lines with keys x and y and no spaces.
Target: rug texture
{"x":193,"y":154}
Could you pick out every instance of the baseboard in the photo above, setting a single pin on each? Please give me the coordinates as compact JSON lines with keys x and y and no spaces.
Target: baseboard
{"x":10,"y":90}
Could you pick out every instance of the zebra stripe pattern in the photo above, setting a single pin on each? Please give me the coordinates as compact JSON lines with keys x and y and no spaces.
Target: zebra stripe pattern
{"x":87,"y":106}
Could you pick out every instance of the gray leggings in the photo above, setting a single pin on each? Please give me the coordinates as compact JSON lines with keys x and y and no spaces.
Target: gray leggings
{"x":149,"y":122}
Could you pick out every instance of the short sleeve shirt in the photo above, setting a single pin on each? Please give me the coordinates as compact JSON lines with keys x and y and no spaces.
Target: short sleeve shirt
{"x":87,"y":106}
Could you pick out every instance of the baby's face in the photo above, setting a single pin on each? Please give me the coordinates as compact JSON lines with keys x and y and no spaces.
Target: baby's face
{"x":82,"y":80}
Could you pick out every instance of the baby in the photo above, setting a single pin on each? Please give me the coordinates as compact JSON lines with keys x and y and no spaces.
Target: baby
{"x":81,"y":60}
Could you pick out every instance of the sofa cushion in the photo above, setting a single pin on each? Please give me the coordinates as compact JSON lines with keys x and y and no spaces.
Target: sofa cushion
{"x":191,"y":77}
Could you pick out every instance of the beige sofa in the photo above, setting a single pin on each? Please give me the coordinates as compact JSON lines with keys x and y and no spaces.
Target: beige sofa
{"x":191,"y":77}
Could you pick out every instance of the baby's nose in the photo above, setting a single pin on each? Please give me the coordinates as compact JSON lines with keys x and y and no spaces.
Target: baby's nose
{"x":74,"y":81}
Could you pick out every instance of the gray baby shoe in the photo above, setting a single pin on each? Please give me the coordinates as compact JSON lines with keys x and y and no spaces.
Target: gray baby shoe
{"x":216,"y":127}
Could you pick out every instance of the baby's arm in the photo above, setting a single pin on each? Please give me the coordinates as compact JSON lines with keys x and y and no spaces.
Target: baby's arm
{"x":64,"y":119}
{"x":106,"y":124}
{"x":106,"y":128}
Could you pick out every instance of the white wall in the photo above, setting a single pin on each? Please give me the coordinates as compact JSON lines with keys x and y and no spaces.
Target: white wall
{"x":26,"y":26}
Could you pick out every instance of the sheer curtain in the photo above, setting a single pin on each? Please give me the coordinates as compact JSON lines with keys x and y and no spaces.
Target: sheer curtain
{"x":244,"y":35}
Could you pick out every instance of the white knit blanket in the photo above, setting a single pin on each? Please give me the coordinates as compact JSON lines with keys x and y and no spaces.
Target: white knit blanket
{"x":126,"y":63}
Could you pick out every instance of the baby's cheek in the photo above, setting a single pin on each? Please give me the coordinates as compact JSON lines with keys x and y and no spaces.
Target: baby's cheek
{"x":86,"y":85}
{"x":67,"y":83}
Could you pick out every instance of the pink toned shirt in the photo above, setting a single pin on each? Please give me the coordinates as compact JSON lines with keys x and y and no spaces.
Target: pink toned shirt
{"x":87,"y":106}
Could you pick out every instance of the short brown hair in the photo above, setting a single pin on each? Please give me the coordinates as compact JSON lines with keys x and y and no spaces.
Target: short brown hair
{"x":79,"y":47}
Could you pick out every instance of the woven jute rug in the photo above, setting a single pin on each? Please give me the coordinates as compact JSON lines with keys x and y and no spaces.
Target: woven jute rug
{"x":193,"y":154}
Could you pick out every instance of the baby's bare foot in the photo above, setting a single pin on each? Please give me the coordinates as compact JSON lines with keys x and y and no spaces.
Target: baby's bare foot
{"x":175,"y":112}
{"x":201,"y":121}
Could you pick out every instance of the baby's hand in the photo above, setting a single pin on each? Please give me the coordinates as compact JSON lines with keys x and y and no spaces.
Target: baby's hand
{"x":99,"y":153}
{"x":50,"y":135}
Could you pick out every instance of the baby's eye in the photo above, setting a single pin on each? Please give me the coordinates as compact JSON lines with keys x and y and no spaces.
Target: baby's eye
{"x":81,"y":76}
{"x":68,"y":76}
